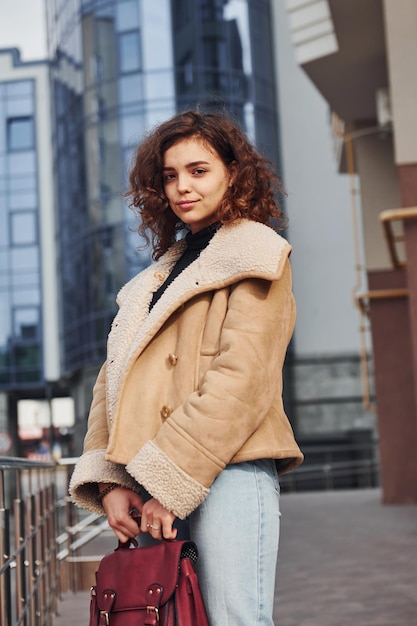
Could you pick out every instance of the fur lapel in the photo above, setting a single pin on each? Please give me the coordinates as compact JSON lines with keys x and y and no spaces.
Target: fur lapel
{"x":240,"y":250}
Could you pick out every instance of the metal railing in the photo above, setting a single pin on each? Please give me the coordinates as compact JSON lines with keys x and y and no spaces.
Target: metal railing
{"x":334,"y":467}
{"x":42,"y":535}
{"x":81,"y":529}
{"x":29,"y":569}
{"x":388,"y":217}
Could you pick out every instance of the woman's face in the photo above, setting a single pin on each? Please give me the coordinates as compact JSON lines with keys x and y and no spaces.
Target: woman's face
{"x":195,"y":181}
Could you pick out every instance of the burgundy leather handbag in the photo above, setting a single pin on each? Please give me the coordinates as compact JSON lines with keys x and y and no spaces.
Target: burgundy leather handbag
{"x":150,"y":586}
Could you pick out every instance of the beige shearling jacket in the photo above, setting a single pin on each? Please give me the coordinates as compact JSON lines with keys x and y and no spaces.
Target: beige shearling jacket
{"x":196,"y":383}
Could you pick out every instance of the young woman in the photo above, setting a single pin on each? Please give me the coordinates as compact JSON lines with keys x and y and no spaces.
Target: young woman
{"x":187,"y":419}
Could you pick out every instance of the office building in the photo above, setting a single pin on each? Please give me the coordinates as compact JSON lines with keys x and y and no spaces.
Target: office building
{"x":118,"y":68}
{"x":28,"y":282}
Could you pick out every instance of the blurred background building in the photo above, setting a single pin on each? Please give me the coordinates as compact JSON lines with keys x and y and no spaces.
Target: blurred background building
{"x":29,"y":339}
{"x":362,"y":56}
{"x":118,"y":68}
{"x":115,"y":69}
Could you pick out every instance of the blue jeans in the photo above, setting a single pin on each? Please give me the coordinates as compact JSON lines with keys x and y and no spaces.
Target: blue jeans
{"x":236,"y":530}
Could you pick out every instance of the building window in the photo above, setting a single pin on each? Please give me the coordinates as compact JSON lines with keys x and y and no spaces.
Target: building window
{"x":19,"y":100}
{"x":187,"y":72}
{"x":23,"y":199}
{"x":26,"y":323}
{"x":23,"y":228}
{"x":130,"y":89}
{"x":182,"y":12}
{"x":127,"y":15}
{"x":20,"y":133}
{"x":212,"y":10}
{"x":129,"y":52}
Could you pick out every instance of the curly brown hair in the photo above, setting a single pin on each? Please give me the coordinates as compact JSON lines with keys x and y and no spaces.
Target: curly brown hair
{"x":253,"y":194}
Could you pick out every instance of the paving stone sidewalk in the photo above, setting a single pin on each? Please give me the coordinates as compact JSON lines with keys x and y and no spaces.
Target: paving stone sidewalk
{"x":345,"y":560}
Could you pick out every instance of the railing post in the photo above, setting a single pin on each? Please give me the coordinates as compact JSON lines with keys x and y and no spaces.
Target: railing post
{"x":5,"y":586}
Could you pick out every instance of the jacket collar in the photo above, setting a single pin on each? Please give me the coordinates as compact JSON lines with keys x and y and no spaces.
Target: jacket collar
{"x":240,"y":250}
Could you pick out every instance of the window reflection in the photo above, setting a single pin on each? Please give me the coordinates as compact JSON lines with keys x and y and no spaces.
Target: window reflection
{"x":19,"y":89}
{"x":20,"y":300}
{"x":22,"y":163}
{"x":26,"y":293}
{"x":4,"y":239}
{"x":20,"y":133}
{"x":23,"y":228}
{"x":19,"y":107}
{"x":18,"y":98}
{"x":130,"y":89}
{"x":26,"y":323}
{"x":25,"y":259}
{"x":21,"y":184}
{"x":129,"y":52}
{"x":4,"y":325}
{"x":127,"y":15}
{"x":20,"y":306}
{"x":23,"y":200}
{"x":131,"y":130}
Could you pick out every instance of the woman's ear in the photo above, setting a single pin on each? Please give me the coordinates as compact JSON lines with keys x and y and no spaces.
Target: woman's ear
{"x":232,"y":172}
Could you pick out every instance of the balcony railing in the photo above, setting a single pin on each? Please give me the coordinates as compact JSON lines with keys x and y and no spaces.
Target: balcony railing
{"x":29,"y":569}
{"x":42,"y":535}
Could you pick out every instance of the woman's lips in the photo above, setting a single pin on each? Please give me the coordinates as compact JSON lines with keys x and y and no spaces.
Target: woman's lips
{"x":188,"y":204}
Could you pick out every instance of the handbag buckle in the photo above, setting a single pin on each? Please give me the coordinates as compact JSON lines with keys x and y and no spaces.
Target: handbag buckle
{"x":155,"y":610}
{"x":153,"y":594}
{"x":107,"y":600}
{"x":104,"y":618}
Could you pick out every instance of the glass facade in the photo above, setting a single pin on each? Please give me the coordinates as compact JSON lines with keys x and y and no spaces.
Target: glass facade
{"x":120,"y":67}
{"x":20,"y":278}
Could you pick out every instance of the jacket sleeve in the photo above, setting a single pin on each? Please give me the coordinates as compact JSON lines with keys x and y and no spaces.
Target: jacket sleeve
{"x":92,"y":468}
{"x":202,"y":435}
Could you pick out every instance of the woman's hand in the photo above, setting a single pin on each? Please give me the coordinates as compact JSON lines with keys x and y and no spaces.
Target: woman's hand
{"x":117,"y":504}
{"x":157,"y":520}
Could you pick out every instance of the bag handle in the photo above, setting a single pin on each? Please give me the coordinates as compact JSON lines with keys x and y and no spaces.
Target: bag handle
{"x":125,"y":545}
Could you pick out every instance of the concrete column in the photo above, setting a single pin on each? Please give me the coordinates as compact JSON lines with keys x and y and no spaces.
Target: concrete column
{"x":408,"y":190}
{"x":410,"y":233}
{"x":394,"y":388}
{"x":384,"y":185}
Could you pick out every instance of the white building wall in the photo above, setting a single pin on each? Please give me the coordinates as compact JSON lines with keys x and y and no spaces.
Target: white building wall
{"x":319,"y":210}
{"x":328,"y":383}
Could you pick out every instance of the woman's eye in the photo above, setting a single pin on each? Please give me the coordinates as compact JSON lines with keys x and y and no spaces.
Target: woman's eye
{"x":199,"y":171}
{"x":168,"y":177}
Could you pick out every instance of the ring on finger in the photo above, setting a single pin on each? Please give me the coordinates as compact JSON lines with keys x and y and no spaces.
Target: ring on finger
{"x":153,"y":527}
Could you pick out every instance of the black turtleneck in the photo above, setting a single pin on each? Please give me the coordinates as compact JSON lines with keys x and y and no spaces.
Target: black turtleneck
{"x":195,"y":244}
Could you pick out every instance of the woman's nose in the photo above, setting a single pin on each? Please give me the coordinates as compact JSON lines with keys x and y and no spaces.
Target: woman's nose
{"x":183,"y":183}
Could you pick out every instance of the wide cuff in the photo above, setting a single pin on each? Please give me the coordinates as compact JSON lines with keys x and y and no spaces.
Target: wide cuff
{"x":176,"y":490}
{"x":92,"y":469}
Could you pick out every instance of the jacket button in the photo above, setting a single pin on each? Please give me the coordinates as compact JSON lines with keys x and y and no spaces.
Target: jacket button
{"x":159,"y":276}
{"x":173,"y":359}
{"x":166,"y":411}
